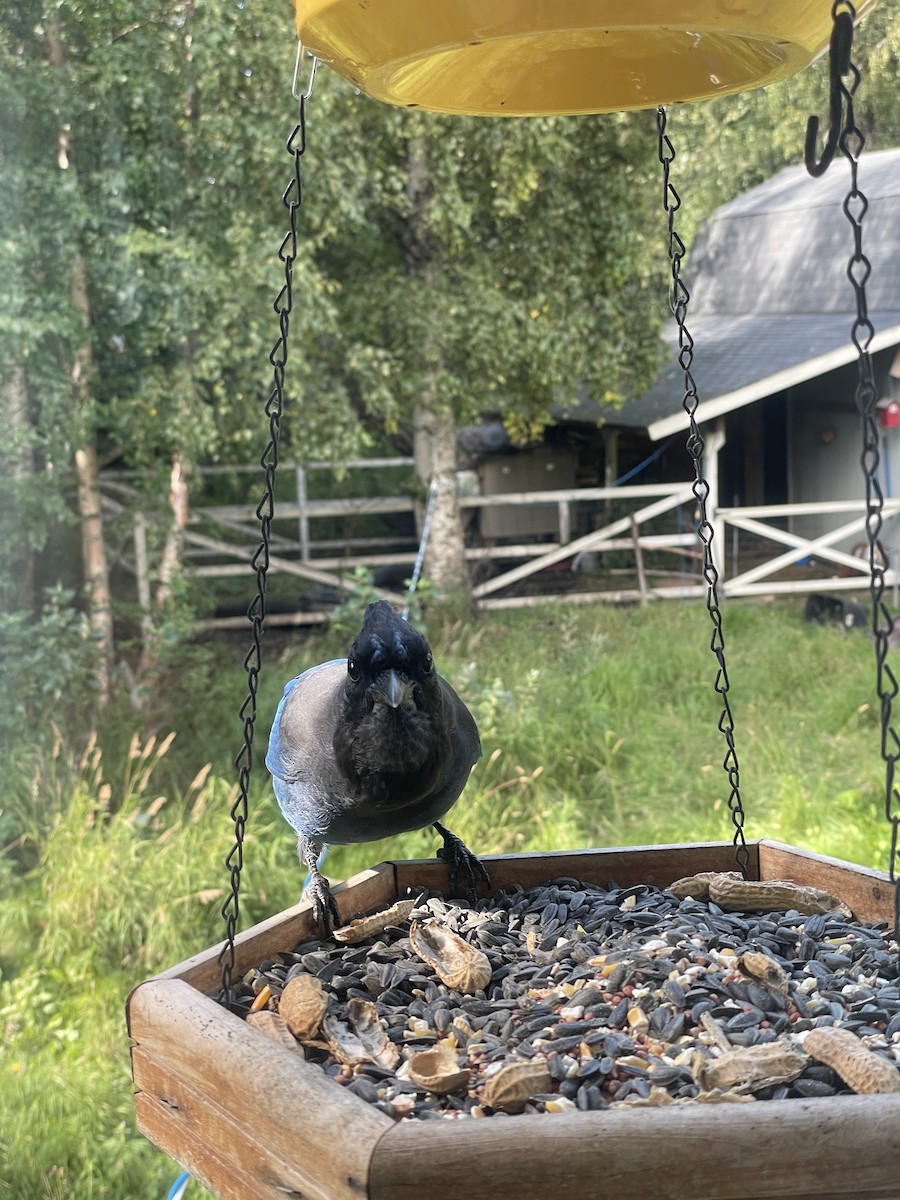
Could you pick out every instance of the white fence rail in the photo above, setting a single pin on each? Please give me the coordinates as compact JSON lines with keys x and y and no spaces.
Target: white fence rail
{"x":829,"y":569}
{"x":642,"y":546}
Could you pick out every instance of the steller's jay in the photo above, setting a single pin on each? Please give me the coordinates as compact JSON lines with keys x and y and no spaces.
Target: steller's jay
{"x":371,"y":745}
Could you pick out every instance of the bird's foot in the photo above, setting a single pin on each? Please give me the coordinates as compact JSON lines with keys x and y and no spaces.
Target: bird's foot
{"x":324,"y":905}
{"x":456,"y":854}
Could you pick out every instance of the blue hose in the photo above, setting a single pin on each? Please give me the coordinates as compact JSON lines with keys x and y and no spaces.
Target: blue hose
{"x":177,"y":1190}
{"x":651,"y":458}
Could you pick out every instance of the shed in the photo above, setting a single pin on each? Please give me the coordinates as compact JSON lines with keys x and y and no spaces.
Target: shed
{"x":771,"y":312}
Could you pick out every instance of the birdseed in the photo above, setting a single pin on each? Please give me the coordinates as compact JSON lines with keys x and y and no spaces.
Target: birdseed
{"x":615,"y":996}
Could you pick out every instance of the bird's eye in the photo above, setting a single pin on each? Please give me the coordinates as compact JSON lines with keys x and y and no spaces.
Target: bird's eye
{"x":429,"y":664}
{"x":353,"y":669}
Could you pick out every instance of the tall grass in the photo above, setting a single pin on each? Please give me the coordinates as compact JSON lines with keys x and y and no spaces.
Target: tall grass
{"x":126,"y":880}
{"x":598,"y":726}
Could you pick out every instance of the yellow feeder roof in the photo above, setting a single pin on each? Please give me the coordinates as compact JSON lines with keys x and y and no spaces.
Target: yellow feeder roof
{"x":530,"y":57}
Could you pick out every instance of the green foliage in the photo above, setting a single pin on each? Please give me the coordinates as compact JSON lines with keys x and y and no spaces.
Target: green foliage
{"x":68,"y":1112}
{"x":466,"y":262}
{"x":347,"y":617}
{"x":173,"y":129}
{"x":46,"y":678}
{"x":72,"y":940}
{"x":495,"y":265}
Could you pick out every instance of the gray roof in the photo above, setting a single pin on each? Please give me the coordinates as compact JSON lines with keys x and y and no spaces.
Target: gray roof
{"x":770,"y":303}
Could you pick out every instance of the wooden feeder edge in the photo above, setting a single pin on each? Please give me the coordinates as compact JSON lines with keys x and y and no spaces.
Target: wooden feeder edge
{"x":250,"y":1119}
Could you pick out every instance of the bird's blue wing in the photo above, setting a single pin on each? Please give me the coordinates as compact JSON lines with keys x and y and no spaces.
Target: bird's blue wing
{"x":275,"y":757}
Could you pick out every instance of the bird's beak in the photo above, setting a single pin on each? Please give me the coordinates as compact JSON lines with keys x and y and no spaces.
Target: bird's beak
{"x":392,"y":690}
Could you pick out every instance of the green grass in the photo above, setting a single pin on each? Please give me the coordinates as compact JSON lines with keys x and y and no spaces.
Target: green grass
{"x":599,"y":728}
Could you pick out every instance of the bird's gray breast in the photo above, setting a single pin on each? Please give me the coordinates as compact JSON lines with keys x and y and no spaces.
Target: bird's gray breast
{"x":322,"y":802}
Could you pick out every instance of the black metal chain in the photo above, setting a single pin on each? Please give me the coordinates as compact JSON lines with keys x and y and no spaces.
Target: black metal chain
{"x":265,"y":511}
{"x":679,"y":298}
{"x":852,"y":141}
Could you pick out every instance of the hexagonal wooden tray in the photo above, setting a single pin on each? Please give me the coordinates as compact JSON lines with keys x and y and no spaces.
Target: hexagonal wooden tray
{"x":253,"y":1121}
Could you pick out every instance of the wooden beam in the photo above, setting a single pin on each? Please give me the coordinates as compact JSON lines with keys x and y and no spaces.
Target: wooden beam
{"x":811,"y":508}
{"x":627,"y":596}
{"x":142,"y":573}
{"x":254,"y":468}
{"x":627,"y":865}
{"x":799,"y":587}
{"x":303,"y":570}
{"x":557,"y":495}
{"x":869,"y":893}
{"x":192,"y":1062}
{"x":347,"y":507}
{"x":788,"y":1150}
{"x":273,"y":620}
{"x":803,"y":545}
{"x":252,"y":1120}
{"x":367,"y":889}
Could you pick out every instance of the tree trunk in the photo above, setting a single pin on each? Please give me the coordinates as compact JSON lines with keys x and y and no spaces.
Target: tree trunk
{"x":434,"y":449}
{"x":170,"y":562}
{"x":93,"y":548}
{"x":17,"y":464}
{"x":434,"y":427}
{"x":95,"y":566}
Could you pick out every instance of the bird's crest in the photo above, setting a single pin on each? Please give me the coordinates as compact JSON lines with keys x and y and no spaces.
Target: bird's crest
{"x":386,"y":639}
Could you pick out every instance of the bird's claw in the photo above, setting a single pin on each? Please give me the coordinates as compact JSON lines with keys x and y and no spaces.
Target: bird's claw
{"x":456,"y":854}
{"x":324,"y":905}
{"x":317,"y":891}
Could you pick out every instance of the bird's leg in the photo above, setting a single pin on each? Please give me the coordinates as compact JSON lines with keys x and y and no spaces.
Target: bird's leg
{"x":324,"y":905}
{"x":455,"y":854}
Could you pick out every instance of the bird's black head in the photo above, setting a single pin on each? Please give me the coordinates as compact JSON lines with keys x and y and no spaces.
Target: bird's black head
{"x":392,"y":697}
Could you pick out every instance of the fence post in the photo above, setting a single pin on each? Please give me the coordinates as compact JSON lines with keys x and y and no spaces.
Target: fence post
{"x":304,"y":519}
{"x":565,"y":522}
{"x":639,"y":559}
{"x":142,"y":574}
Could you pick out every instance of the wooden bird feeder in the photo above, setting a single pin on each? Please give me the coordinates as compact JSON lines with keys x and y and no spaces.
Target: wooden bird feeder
{"x":253,"y":1121}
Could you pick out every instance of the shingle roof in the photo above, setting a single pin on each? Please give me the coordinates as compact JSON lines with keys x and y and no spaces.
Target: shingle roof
{"x":770,"y":300}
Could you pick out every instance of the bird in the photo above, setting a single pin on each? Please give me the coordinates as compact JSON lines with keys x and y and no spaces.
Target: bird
{"x":369,"y":746}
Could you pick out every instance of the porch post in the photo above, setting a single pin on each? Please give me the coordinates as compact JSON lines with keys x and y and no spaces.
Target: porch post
{"x":714,"y":441}
{"x":610,"y":461}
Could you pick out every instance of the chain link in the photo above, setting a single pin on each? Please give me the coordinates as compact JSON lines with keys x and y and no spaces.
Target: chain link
{"x":679,"y":298}
{"x":265,"y":511}
{"x":852,"y":142}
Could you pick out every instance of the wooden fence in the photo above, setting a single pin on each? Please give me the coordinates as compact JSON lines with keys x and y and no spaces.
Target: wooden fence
{"x":640,"y":544}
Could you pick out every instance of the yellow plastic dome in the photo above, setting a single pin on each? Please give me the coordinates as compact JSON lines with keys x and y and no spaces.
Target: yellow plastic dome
{"x":526,"y":57}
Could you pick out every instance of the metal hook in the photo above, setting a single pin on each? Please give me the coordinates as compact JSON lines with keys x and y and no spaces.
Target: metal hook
{"x":295,"y":82}
{"x":839,"y":65}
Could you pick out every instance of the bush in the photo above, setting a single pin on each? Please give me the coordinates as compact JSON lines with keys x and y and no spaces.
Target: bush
{"x":47,"y":672}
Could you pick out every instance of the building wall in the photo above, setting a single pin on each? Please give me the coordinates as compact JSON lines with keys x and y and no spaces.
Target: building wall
{"x":825,"y":444}
{"x":541,"y":469}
